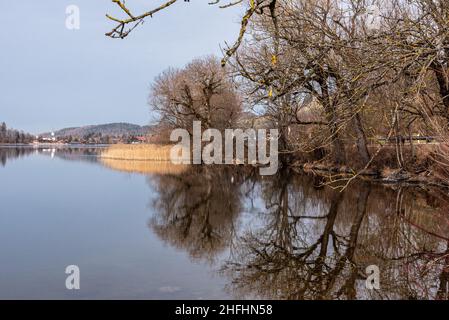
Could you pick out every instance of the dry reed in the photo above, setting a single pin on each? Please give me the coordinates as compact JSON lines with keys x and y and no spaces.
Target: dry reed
{"x":145,"y":158}
{"x":147,"y":152}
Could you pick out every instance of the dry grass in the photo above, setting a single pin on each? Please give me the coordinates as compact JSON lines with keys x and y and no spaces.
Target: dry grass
{"x":145,"y":158}
{"x":147,"y":152}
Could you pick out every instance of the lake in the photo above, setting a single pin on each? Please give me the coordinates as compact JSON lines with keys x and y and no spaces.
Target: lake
{"x":140,"y":230}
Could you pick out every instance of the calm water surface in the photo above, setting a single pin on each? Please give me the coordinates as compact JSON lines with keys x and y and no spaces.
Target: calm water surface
{"x":137,"y":232}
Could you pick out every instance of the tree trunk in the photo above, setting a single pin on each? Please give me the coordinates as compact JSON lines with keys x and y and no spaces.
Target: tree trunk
{"x":441,"y":74}
{"x":410,"y":137}
{"x":362,"y":143}
{"x":332,"y":119}
{"x":339,"y":150}
{"x":337,"y":143}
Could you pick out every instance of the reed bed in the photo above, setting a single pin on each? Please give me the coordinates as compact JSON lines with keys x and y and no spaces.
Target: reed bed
{"x":145,"y":158}
{"x":147,"y":152}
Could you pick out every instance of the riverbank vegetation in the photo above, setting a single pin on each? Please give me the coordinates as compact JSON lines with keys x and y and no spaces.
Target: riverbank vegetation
{"x":353,"y":85}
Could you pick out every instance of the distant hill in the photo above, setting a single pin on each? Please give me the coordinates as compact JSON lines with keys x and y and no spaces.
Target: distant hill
{"x":111,"y":129}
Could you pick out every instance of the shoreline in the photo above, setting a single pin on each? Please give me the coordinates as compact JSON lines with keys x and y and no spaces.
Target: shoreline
{"x":55,"y":145}
{"x":159,"y":154}
{"x":397,"y":177}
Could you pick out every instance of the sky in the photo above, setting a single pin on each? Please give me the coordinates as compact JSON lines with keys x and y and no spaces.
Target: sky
{"x":52,"y":77}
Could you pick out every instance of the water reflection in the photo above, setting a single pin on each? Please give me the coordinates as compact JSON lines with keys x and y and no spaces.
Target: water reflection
{"x":143,"y":167}
{"x":288,"y":237}
{"x":75,"y":153}
{"x":305,"y":241}
{"x":197,"y":211}
{"x":8,"y":153}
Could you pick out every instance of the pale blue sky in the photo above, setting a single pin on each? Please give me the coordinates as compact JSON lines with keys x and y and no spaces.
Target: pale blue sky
{"x":52,"y":77}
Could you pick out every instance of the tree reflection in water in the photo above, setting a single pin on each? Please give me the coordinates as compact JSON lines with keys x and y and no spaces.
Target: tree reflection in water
{"x":9,"y":153}
{"x":197,"y":210}
{"x":305,"y":241}
{"x":287,"y":237}
{"x":84,"y":153}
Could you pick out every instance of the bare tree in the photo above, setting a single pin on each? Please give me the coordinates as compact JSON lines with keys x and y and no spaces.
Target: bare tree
{"x":254,"y":7}
{"x":335,"y":77}
{"x":317,"y":51}
{"x":200,"y":91}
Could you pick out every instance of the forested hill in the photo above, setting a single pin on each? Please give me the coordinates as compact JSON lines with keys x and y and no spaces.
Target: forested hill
{"x":109,"y":129}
